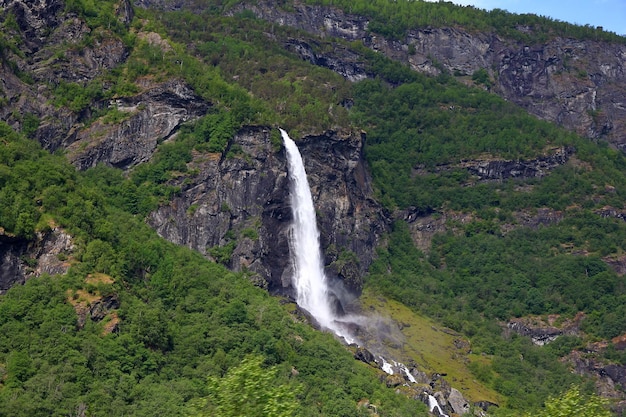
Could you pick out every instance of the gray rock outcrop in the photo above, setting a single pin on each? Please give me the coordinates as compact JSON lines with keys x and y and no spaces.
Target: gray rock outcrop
{"x":152,"y":117}
{"x":21,"y":259}
{"x":457,"y":402}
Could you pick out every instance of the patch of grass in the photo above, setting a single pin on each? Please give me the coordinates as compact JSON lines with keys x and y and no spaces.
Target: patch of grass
{"x":432,"y":346}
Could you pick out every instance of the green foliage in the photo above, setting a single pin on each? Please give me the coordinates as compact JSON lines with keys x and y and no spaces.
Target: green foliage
{"x":481,"y":76}
{"x":250,"y":233}
{"x":574,"y":403}
{"x":115,"y":116}
{"x":430,"y":122}
{"x":26,"y":173}
{"x":30,"y":124}
{"x":214,"y":131}
{"x":97,"y":13}
{"x":249,"y":389}
{"x":288,"y":87}
{"x":491,"y":277}
{"x":77,"y":97}
{"x":181,"y":317}
{"x":222,"y":254}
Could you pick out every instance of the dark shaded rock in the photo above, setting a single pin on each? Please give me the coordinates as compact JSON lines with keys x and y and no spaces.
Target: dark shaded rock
{"x":503,"y":169}
{"x":341,"y":60}
{"x":608,"y":211}
{"x":543,"y":216}
{"x":99,"y":309}
{"x":540,"y":336}
{"x":124,"y":12}
{"x":543,"y":332}
{"x":351,"y":222}
{"x":364,"y":355}
{"x":229,"y":196}
{"x":11,"y":266}
{"x":617,"y":263}
{"x":485,"y":405}
{"x":610,"y":379}
{"x":617,"y":373}
{"x":95,"y":307}
{"x":21,"y":259}
{"x":35,"y":18}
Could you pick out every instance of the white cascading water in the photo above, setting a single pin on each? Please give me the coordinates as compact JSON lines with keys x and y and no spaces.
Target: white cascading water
{"x":309,"y":278}
{"x":434,"y":405}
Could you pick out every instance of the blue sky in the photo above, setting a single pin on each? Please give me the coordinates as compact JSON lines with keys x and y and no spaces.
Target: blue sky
{"x":610,"y":14}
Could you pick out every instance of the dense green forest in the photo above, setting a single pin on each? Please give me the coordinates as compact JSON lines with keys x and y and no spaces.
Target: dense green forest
{"x":190,"y":333}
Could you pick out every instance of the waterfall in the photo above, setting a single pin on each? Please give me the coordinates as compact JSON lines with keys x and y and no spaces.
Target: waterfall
{"x":434,"y":405}
{"x":309,"y":280}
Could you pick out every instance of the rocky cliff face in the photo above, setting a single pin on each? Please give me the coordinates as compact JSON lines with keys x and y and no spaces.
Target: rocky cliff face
{"x":21,"y":259}
{"x":151,"y":117}
{"x":577,"y":84}
{"x":54,"y":50}
{"x":236,"y":209}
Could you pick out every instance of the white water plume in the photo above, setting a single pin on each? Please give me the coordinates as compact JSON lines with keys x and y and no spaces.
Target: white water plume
{"x":310,"y":281}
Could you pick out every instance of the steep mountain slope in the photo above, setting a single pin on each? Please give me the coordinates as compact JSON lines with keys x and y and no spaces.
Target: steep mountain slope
{"x":578,"y":84}
{"x":569,"y":75}
{"x":519,"y":224}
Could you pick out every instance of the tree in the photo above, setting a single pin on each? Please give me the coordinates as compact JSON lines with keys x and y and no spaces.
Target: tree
{"x":574,"y":403}
{"x":248,"y":390}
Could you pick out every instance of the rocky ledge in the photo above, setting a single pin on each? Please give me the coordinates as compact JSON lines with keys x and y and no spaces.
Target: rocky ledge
{"x":149,"y":118}
{"x":541,"y":331}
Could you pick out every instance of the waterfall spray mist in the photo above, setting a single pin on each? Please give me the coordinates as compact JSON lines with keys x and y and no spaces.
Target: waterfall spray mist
{"x":309,"y":279}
